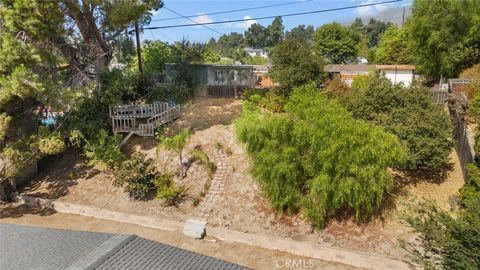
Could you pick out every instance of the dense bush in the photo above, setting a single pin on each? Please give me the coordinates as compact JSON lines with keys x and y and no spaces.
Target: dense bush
{"x":410,"y":114}
{"x":104,"y":151}
{"x":295,"y":64}
{"x":271,"y":100}
{"x":51,"y":145}
{"x":167,"y":190}
{"x":337,"y":87}
{"x":4,"y":123}
{"x":316,"y":157}
{"x":86,"y":120}
{"x":447,"y":241}
{"x":172,"y":93}
{"x":136,"y":175}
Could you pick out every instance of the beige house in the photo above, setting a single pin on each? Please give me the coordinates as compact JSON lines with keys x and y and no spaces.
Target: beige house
{"x":397,"y":74}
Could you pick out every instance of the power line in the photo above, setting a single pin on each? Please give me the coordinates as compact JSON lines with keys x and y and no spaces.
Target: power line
{"x":231,"y":11}
{"x":153,"y":35}
{"x":197,"y":23}
{"x":274,"y":16}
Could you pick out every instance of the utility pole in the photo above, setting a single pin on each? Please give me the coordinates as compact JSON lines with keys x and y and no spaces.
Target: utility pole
{"x":139,"y":55}
{"x":403,"y":16}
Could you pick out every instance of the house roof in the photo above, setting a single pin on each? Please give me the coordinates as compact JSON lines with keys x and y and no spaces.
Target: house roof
{"x":250,"y":49}
{"x":43,"y":248}
{"x":218,"y":65}
{"x":340,"y":68}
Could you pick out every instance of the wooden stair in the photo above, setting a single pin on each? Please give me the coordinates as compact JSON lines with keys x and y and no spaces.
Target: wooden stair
{"x":142,"y":120}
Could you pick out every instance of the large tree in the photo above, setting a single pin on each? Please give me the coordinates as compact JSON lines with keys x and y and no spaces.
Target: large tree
{"x":47,"y":49}
{"x":445,"y":36}
{"x":374,"y":31}
{"x":275,"y":32}
{"x":228,"y":44}
{"x":256,"y":36}
{"x":394,"y":47}
{"x":336,"y":43}
{"x":301,"y":32}
{"x":295,"y":64}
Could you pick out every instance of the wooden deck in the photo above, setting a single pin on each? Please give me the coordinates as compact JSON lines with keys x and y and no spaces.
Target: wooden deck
{"x":142,"y":119}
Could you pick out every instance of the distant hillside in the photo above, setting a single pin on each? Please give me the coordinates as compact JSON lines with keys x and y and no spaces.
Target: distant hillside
{"x":393,"y":14}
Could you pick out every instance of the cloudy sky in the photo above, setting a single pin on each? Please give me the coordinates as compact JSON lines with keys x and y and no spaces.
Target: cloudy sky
{"x":200,"y":9}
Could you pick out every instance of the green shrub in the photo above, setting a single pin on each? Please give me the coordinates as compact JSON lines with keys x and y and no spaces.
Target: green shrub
{"x":51,"y":145}
{"x":450,"y":241}
{"x":474,"y":106}
{"x":199,"y":155}
{"x":175,"y":93}
{"x":249,"y":92}
{"x":104,"y":151}
{"x":316,"y":157}
{"x":409,"y":113}
{"x":176,"y":144}
{"x":136,"y":175}
{"x":4,"y":124}
{"x":86,"y":120}
{"x":273,"y":101}
{"x":337,"y":87}
{"x":167,"y":190}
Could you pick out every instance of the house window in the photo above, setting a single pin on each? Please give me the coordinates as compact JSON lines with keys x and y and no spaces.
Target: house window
{"x":218,"y":76}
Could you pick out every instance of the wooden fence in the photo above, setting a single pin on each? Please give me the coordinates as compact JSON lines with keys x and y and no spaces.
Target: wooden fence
{"x":463,"y":145}
{"x":463,"y":136}
{"x":225,"y":91}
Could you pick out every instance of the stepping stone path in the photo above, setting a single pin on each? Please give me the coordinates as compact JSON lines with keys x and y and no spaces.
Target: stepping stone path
{"x":216,"y":187}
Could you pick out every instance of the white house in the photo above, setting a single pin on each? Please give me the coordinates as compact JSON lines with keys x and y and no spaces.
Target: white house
{"x":255,"y":52}
{"x":397,"y":74}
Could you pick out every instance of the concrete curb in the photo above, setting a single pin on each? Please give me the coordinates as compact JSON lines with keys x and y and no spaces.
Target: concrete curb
{"x":70,"y":208}
{"x":312,"y":250}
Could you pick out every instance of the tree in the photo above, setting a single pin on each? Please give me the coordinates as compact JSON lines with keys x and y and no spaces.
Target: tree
{"x":445,"y":36}
{"x":275,"y":32}
{"x":154,"y":56}
{"x":47,"y":50}
{"x":394,"y":47}
{"x":410,"y":114}
{"x":295,"y":64}
{"x":301,"y":32}
{"x":256,"y":36}
{"x":358,"y":25}
{"x":336,"y":43}
{"x":374,"y":31}
{"x":316,"y":157}
{"x":228,"y":44}
{"x":176,"y":144}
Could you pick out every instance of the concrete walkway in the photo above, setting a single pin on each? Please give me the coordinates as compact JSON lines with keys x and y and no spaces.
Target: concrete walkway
{"x":307,"y":249}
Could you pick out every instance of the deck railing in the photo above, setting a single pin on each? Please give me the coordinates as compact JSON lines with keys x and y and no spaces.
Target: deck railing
{"x":124,"y":117}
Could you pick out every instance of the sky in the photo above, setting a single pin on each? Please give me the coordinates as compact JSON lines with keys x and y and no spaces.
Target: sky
{"x":201,"y":8}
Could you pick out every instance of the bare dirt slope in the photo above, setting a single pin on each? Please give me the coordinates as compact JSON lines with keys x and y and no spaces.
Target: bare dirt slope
{"x":241,"y":206}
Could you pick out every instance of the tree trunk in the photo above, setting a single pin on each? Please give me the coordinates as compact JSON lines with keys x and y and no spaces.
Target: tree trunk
{"x":182,"y":172}
{"x":3,"y":194}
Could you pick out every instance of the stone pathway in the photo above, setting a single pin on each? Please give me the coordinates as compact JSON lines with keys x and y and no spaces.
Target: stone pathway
{"x":216,"y":187}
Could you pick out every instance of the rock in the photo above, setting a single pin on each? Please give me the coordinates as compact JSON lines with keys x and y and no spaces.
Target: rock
{"x":194,"y":228}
